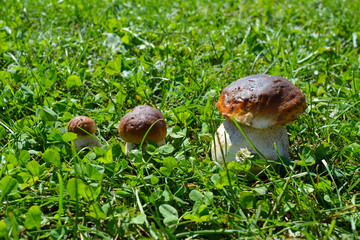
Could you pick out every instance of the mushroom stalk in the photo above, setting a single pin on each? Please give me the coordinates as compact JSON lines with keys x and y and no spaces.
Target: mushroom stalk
{"x":130,"y":146}
{"x":229,"y":140}
{"x":86,"y":141}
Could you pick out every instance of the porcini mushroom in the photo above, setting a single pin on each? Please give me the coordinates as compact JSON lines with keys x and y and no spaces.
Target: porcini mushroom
{"x":135,"y":124}
{"x":262,"y":105}
{"x":85,"y":129}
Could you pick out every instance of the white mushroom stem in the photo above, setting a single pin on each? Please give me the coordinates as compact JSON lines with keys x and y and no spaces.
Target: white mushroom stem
{"x":86,"y":141}
{"x":130,"y":146}
{"x":229,"y":140}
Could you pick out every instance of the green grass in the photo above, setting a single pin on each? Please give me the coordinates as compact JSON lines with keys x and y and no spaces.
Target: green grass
{"x":59,"y":59}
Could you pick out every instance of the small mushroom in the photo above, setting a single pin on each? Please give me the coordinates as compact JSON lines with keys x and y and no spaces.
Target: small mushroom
{"x":85,"y":129}
{"x":261,"y":105}
{"x":135,"y":124}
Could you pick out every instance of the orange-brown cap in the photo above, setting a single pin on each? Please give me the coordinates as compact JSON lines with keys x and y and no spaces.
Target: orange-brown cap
{"x":81,"y":125}
{"x":134,"y":125}
{"x":262,"y":101}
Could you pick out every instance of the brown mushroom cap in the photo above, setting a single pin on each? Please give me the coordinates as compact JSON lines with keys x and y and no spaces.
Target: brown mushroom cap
{"x":80,"y":123}
{"x":134,"y":125}
{"x":262,"y":101}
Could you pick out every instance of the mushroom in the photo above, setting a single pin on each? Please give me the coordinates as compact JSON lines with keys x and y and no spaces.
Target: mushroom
{"x":262,"y":105}
{"x":136,"y":123}
{"x":85,"y":129}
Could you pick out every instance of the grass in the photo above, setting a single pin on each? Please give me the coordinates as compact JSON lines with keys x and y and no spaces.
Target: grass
{"x":59,"y":59}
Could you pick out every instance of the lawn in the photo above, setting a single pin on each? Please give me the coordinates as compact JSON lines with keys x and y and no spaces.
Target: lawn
{"x":61,"y":59}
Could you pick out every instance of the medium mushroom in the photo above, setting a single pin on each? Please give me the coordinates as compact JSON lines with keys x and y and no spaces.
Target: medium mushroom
{"x":135,"y":124}
{"x":85,"y":129}
{"x":262,"y":105}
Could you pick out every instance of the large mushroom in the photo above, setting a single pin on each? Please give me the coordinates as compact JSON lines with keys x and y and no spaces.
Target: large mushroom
{"x":136,"y":123}
{"x":85,"y":129}
{"x":262,"y":105}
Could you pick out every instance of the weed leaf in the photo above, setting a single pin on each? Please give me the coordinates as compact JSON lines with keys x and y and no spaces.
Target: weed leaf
{"x":23,"y":156}
{"x":33,"y":218}
{"x":46,"y":114}
{"x":73,"y":81}
{"x":69,"y":136}
{"x":114,"y":66}
{"x":96,"y":212}
{"x":34,"y":168}
{"x":71,"y":187}
{"x":139,"y":219}
{"x":169,"y":213}
{"x":7,"y":185}
{"x":52,"y":156}
{"x":196,"y":195}
{"x":247,"y":200}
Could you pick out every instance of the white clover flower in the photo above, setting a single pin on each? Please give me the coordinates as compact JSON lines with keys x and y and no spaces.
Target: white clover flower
{"x":243,"y":155}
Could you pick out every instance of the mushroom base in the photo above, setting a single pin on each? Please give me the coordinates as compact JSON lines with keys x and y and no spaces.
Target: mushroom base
{"x":229,"y":140}
{"x":130,"y":146}
{"x":86,"y":141}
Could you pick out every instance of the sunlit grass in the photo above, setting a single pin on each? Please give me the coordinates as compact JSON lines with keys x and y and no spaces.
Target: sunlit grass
{"x":60,"y":59}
